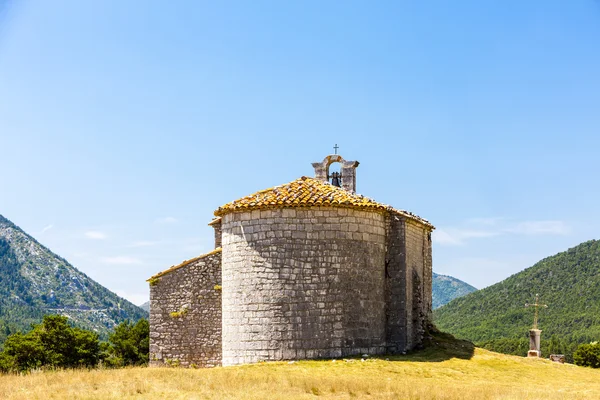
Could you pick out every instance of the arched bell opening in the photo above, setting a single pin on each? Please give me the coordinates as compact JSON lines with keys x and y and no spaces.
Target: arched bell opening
{"x":345,"y":172}
{"x":334,"y":174}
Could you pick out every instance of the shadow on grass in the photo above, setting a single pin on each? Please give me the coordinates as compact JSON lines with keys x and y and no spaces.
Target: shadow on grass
{"x":437,"y":347}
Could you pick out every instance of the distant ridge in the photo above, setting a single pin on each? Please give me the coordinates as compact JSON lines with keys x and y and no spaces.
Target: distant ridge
{"x":34,"y":281}
{"x":447,"y":288}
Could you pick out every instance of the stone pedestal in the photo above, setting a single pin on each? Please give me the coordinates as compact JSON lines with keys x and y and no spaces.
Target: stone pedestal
{"x":534,"y":343}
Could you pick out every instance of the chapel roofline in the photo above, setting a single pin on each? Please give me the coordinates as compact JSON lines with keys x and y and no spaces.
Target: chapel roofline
{"x":307,"y":192}
{"x":411,"y":216}
{"x":215,"y":221}
{"x":183,"y":264}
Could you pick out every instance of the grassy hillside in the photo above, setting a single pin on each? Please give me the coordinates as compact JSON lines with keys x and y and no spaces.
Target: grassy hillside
{"x":34,"y":281}
{"x":446,"y":288}
{"x":568,"y":282}
{"x":453,"y":370}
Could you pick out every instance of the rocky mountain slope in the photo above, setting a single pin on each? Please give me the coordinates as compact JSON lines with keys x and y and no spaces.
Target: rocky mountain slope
{"x":34,"y":281}
{"x":446,"y":288}
{"x":146,"y":306}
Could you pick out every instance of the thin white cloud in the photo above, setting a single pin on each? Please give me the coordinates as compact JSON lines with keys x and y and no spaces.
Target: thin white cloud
{"x":122,"y":260}
{"x":540,"y":228}
{"x":495,"y":227}
{"x":96,"y":235}
{"x":487,"y":221}
{"x":166,"y":220}
{"x":143,"y":243}
{"x":442,"y":237}
{"x":47,"y":228}
{"x":458,"y":237}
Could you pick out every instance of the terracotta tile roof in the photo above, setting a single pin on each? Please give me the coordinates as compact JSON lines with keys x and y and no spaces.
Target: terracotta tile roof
{"x":307,"y":192}
{"x":303,"y":192}
{"x":183,"y":264}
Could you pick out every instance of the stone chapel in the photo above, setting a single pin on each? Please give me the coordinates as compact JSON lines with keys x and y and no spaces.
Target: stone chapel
{"x":307,"y":269}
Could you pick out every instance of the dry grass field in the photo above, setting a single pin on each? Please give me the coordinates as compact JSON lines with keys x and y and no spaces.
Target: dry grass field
{"x":448,"y":371}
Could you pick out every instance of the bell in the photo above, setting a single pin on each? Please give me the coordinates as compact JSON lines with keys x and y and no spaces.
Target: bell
{"x":335,"y":179}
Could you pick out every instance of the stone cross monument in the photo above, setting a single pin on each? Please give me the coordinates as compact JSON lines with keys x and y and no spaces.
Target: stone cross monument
{"x":535,"y":333}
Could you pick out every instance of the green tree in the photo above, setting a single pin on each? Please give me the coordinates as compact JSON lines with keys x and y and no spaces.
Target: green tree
{"x":588,"y":355}
{"x":57,"y":337}
{"x":86,"y":349}
{"x":66,"y":346}
{"x":22,"y":353}
{"x":129,"y":344}
{"x":53,"y":343}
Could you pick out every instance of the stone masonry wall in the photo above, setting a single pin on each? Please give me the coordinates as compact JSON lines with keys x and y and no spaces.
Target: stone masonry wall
{"x":419,"y":276}
{"x":303,"y":283}
{"x":395,"y":284}
{"x":185,"y":318}
{"x":427,"y":276}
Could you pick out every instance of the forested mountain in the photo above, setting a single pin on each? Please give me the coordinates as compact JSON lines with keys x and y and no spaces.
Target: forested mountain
{"x":446,"y":288}
{"x":34,"y":281}
{"x":496,"y":317}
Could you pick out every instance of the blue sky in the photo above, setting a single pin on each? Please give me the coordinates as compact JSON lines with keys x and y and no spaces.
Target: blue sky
{"x":124,"y":125}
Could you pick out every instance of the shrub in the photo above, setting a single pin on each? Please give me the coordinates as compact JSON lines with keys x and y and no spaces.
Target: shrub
{"x":588,"y":355}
